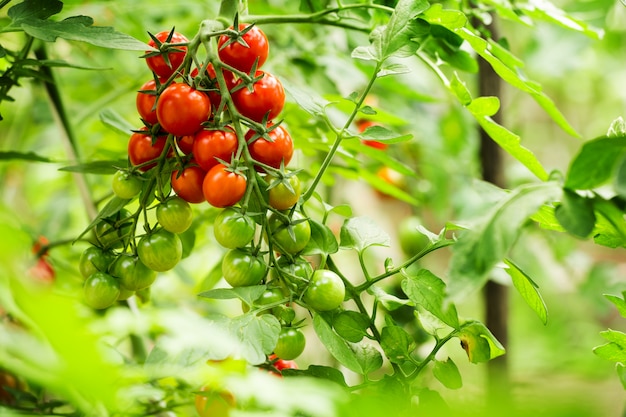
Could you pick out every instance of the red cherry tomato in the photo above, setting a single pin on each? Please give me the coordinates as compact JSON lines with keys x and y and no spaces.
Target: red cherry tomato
{"x":181,"y":109}
{"x":158,"y":63}
{"x":266,"y":98}
{"x":146,"y":102}
{"x":211,"y":144}
{"x":141,"y":149}
{"x":223,"y":188}
{"x":241,"y":56}
{"x":42,"y":271}
{"x":185,"y":144}
{"x":188,"y":185}
{"x":271,"y":153}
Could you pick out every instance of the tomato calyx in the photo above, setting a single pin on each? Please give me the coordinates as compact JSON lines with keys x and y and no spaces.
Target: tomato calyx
{"x":165,"y":47}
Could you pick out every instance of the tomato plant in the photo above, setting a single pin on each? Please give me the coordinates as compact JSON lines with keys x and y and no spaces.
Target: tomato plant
{"x":187,"y":184}
{"x":265,"y":99}
{"x":174,"y":215}
{"x":325,"y":292}
{"x":211,"y":146}
{"x":243,"y":51}
{"x":181,"y":109}
{"x":160,"y":251}
{"x":289,"y":235}
{"x":300,"y":243}
{"x":291,"y":343}
{"x":233,"y":229}
{"x":169,"y":58}
{"x":222,"y":187}
{"x":241,"y":268}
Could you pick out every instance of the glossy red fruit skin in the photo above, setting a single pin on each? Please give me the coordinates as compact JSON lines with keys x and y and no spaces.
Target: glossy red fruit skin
{"x":243,"y":57}
{"x":213,"y":86}
{"x":223,"y":188}
{"x":157,"y":63}
{"x":141,"y":149}
{"x":211,"y":144}
{"x":188,"y":185}
{"x":146,"y":103}
{"x":181,"y":109}
{"x":272,"y":153}
{"x":267,"y":97}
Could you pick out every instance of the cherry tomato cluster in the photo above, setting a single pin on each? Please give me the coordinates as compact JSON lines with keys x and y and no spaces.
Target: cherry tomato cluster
{"x":210,"y":133}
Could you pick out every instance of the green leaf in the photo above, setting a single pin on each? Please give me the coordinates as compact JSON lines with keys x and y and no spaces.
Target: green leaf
{"x":430,"y":323}
{"x":336,"y":345}
{"x":34,"y":9}
{"x":448,"y":374}
{"x":620,"y":178}
{"x":619,"y":302}
{"x":23,"y":156}
{"x":610,"y":226}
{"x":382,"y":134}
{"x":402,"y":27}
{"x":246,"y":294}
{"x":546,"y":219}
{"x":318,"y":371}
{"x":480,"y":249}
{"x":307,"y":98}
{"x":113,"y":119}
{"x":595,"y":163}
{"x":528,"y":290}
{"x":257,"y":334}
{"x":482,"y":109}
{"x":512,"y":76}
{"x":360,"y":233}
{"x":427,"y":290}
{"x":479,"y":343}
{"x":548,"y":11}
{"x":460,"y":90}
{"x":97,"y":167}
{"x":389,"y":301}
{"x":396,"y":343}
{"x":351,"y":325}
{"x":451,"y":19}
{"x":322,"y":242}
{"x":368,"y":356}
{"x":393,"y":69}
{"x":575,"y":214}
{"x":615,"y":350}
{"x":617,"y":128}
{"x":79,"y":28}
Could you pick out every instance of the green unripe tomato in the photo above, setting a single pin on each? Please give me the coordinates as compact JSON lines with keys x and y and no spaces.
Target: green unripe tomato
{"x":174,"y":214}
{"x":411,"y":240}
{"x":291,"y":343}
{"x":325,"y":292}
{"x":114,"y":230}
{"x":125,"y":294}
{"x":132,"y":273}
{"x":160,"y":251}
{"x":269,"y":296}
{"x":295,"y":276}
{"x":292,"y":237}
{"x":241,"y":269}
{"x":233,"y":229}
{"x":101,"y":290}
{"x":125,"y":185}
{"x":94,"y":259}
{"x":283,"y":196}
